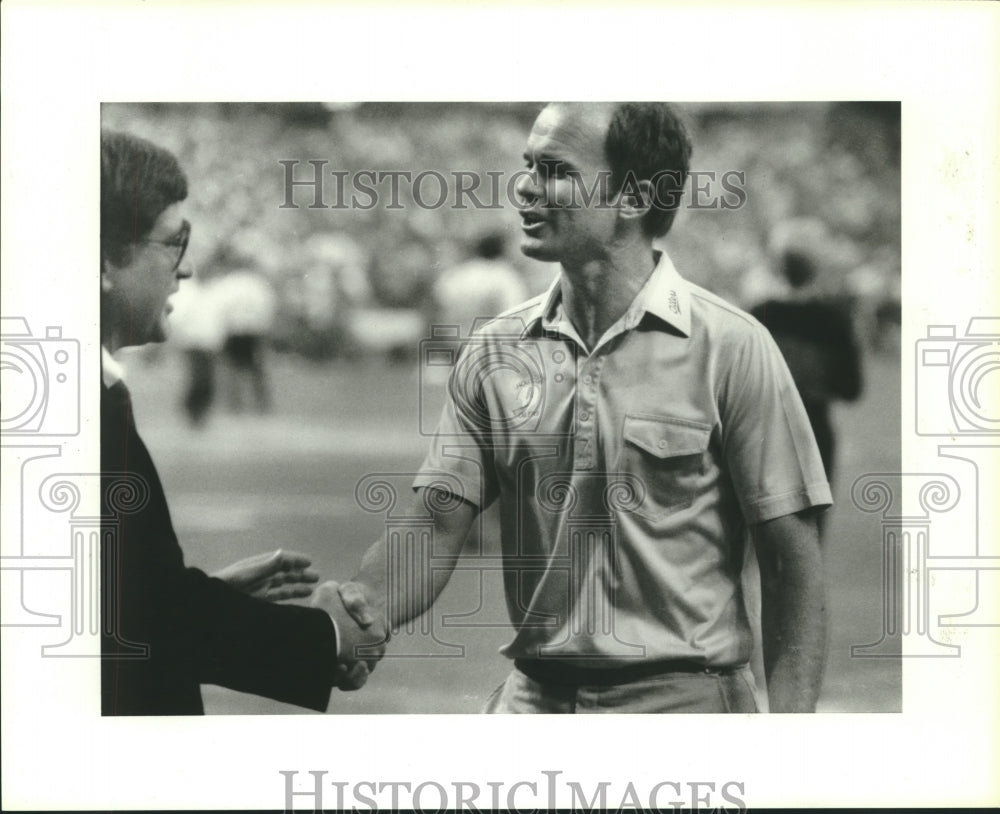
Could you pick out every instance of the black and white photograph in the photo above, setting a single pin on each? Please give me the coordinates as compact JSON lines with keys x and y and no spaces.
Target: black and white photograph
{"x":361,"y":390}
{"x":356,"y":286}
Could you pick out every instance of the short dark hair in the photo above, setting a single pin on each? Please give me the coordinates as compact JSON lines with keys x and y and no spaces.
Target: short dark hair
{"x":648,"y":141}
{"x":138,"y":181}
{"x":799,"y":267}
{"x":491,"y":246}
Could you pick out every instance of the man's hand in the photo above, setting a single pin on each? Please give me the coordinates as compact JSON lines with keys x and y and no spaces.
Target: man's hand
{"x":358,"y":648}
{"x":360,"y":603}
{"x":275,"y":576}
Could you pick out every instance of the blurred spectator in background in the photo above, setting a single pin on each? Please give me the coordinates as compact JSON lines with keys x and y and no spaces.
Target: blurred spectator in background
{"x":876,"y":297}
{"x":248,"y":306}
{"x":815,"y":335}
{"x":198,"y":331}
{"x":402,"y":273}
{"x":889,"y":319}
{"x":479,"y":288}
{"x":471,"y":293}
{"x":333,"y":284}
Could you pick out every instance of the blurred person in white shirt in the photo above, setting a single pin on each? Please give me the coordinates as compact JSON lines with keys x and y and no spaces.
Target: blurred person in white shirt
{"x":248,"y":306}
{"x":198,"y":331}
{"x":479,"y":288}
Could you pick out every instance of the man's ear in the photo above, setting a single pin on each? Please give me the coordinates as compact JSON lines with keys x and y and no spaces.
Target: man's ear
{"x":635,"y":198}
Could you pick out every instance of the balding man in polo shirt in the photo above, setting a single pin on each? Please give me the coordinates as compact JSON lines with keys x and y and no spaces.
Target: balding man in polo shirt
{"x":639,"y":432}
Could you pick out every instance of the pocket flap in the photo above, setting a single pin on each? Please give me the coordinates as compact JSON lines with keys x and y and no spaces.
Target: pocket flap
{"x":666,"y":437}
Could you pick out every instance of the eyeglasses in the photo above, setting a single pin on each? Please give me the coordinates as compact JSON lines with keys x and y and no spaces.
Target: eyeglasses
{"x":178,"y":242}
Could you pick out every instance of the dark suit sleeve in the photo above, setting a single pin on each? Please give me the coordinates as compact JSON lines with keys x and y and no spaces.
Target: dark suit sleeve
{"x":198,"y":629}
{"x":284,"y":652}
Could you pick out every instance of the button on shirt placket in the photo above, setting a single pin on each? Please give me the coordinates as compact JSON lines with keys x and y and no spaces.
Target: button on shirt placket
{"x":583,"y":433}
{"x":589,"y":368}
{"x":585,"y":439}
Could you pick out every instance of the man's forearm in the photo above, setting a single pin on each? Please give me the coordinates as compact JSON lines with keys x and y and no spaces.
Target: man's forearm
{"x":400,"y":579}
{"x":794,"y":619}
{"x":402,"y":584}
{"x":794,"y":646}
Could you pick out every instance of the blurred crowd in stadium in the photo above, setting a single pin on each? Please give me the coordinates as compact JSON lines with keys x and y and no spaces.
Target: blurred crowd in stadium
{"x":821,"y":181}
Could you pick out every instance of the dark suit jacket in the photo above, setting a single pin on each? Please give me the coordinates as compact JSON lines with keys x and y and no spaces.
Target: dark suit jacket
{"x":197,"y":629}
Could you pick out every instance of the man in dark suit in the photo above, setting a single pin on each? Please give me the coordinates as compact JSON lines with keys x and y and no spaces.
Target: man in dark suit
{"x":167,"y":628}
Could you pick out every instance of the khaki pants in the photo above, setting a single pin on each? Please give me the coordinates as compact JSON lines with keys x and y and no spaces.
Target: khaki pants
{"x":672,"y":692}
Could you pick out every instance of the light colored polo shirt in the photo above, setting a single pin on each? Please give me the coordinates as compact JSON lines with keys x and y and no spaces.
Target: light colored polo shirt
{"x":628,"y":476}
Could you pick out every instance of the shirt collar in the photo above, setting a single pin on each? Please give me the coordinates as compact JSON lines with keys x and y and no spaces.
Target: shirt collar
{"x":666,"y":295}
{"x":112,"y":371}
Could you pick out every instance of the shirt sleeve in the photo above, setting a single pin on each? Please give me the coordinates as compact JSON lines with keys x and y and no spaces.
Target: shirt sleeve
{"x":768,"y":443}
{"x":460,"y":459}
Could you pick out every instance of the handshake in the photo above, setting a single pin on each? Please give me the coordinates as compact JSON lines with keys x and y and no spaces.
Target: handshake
{"x":362,"y":631}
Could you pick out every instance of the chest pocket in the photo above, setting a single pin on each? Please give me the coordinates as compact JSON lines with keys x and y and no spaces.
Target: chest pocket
{"x":667,"y":456}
